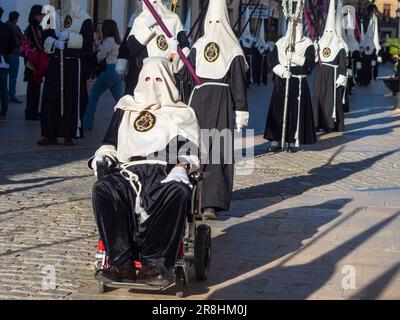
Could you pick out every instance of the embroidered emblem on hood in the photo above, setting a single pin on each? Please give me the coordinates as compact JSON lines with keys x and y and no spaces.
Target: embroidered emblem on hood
{"x":211,"y":52}
{"x":145,"y":122}
{"x":162,"y":43}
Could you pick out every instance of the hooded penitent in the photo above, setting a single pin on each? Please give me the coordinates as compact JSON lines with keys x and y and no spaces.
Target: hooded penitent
{"x":339,"y":24}
{"x":261,"y":44}
{"x":247,"y":38}
{"x":330,"y":43}
{"x":155,"y":114}
{"x":371,"y":40}
{"x":301,"y":42}
{"x":351,"y":40}
{"x":71,"y":13}
{"x":158,"y":46}
{"x":219,"y":46}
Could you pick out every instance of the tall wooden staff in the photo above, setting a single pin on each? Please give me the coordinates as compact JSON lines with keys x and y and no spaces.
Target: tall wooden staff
{"x":240,"y":16}
{"x":292,"y":16}
{"x":199,"y":18}
{"x":61,"y":65}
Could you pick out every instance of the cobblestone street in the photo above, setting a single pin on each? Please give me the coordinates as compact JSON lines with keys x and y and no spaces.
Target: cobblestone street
{"x":299,"y":223}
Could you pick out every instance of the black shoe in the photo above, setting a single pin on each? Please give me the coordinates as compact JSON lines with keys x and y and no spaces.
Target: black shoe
{"x":210,"y":214}
{"x":151,"y":276}
{"x":47,"y":142}
{"x":114,"y":274}
{"x":69,"y":142}
{"x":292,"y":150}
{"x":274,"y":149}
{"x":15,"y":100}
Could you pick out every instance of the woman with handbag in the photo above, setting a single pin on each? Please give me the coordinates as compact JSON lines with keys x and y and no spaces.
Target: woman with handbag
{"x":106,"y":56}
{"x":36,"y":62}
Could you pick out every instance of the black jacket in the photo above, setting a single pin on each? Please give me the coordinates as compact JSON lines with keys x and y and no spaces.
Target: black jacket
{"x":8,"y":42}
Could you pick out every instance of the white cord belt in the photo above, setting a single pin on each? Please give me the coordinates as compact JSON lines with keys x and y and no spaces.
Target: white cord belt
{"x":137,"y":185}
{"x":206,"y":84}
{"x":297,"y":135}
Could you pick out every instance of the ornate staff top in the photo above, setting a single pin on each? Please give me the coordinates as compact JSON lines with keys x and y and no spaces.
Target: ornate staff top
{"x":288,"y":9}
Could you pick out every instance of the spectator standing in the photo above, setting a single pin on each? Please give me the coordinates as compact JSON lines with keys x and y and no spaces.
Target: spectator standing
{"x":7,"y":45}
{"x":35,"y":64}
{"x":107,"y":53}
{"x":14,"y":57}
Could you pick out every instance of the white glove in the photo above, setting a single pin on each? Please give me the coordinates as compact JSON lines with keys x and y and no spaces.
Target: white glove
{"x":172,"y":44}
{"x":380,"y":60}
{"x":373,"y":63}
{"x":341,"y":81}
{"x":121,"y":67}
{"x":62,"y":36}
{"x":178,"y":174}
{"x":282,"y":71}
{"x":100,"y":159}
{"x":349,"y":73}
{"x":150,"y":21}
{"x":59,"y":44}
{"x":358,"y":65}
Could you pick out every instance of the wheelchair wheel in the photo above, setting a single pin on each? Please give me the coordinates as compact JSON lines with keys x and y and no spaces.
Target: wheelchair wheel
{"x":180,"y":282}
{"x":202,"y":252}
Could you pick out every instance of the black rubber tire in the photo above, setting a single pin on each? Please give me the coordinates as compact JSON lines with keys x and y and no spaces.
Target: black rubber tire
{"x":180,"y":282}
{"x":202,"y":252}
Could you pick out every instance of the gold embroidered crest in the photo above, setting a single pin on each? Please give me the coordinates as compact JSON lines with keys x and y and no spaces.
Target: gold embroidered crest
{"x":211,"y":52}
{"x":162,"y":43}
{"x":67,"y":22}
{"x":326,"y":52}
{"x":145,"y":121}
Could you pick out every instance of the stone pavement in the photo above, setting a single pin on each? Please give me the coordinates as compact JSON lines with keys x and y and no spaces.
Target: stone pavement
{"x":319,"y":224}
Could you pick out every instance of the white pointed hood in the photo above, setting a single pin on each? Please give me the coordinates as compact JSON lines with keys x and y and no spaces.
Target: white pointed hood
{"x":301,"y":41}
{"x":339,"y":24}
{"x":247,"y":38}
{"x":157,"y":98}
{"x":351,"y":40}
{"x":171,"y":21}
{"x":261,"y":44}
{"x":217,"y":48}
{"x":371,"y":39}
{"x":330,"y":43}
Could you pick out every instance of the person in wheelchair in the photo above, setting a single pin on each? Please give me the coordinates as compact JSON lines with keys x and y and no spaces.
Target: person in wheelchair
{"x":143,"y":193}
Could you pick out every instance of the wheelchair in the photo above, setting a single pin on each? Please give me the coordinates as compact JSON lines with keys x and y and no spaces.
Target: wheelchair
{"x":195,"y":250}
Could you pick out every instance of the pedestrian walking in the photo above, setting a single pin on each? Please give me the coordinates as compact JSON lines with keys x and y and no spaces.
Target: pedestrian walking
{"x":36,"y":62}
{"x":8,"y":44}
{"x":14,"y":57}
{"x":107,"y":48}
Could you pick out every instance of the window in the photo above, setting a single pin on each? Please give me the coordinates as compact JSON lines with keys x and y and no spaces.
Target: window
{"x":386,"y":9}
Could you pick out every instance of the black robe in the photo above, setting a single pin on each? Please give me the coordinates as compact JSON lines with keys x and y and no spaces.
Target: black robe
{"x":131,"y":78}
{"x":355,"y":57}
{"x":260,"y":68}
{"x":75,"y":88}
{"x":249,"y":54}
{"x":367,"y":70}
{"x":273,"y":127}
{"x":138,"y":52}
{"x":156,"y":241}
{"x":215,"y":108}
{"x":323,"y":103}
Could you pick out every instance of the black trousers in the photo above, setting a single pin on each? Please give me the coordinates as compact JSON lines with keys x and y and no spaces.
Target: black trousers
{"x":156,"y":241}
{"x":32,"y":99}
